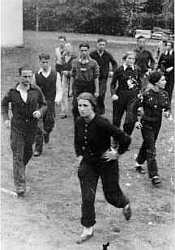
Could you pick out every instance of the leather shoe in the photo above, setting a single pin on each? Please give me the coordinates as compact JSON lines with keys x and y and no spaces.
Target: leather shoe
{"x":140,"y":169}
{"x":156,"y":180}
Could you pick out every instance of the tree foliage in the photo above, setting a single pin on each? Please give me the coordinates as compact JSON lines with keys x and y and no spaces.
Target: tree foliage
{"x":116,"y":17}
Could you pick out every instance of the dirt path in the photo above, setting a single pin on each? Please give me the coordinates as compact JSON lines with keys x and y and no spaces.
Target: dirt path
{"x":49,"y":216}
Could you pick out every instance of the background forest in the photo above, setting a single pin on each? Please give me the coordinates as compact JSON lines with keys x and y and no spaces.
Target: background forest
{"x":111,"y":17}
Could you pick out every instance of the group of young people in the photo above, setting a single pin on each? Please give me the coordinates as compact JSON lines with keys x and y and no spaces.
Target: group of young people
{"x":138,"y":88}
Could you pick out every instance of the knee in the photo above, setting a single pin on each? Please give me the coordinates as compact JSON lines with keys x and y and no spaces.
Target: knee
{"x":151,"y":154}
{"x":38,"y":132}
{"x":110,"y":198}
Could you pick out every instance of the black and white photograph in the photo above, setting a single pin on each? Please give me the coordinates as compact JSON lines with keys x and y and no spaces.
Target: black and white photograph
{"x":87,"y":125}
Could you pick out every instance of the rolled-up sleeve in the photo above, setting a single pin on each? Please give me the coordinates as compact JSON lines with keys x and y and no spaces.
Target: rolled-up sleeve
{"x":96,"y":70}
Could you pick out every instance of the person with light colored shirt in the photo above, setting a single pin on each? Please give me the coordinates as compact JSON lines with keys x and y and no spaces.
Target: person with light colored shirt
{"x":66,"y":72}
{"x":59,"y":53}
{"x":27,"y":105}
{"x":49,"y":82}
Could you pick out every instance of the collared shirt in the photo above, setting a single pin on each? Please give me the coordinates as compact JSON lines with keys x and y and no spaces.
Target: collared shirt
{"x":94,"y":138}
{"x":45,"y":73}
{"x":122,"y":78}
{"x":85,"y":71}
{"x":22,"y":118}
{"x":84,"y":60}
{"x":127,"y":66}
{"x":23,"y":92}
{"x":104,"y":60}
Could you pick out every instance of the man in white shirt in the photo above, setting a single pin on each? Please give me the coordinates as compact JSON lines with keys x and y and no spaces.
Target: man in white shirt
{"x":59,"y":53}
{"x":27,"y":106}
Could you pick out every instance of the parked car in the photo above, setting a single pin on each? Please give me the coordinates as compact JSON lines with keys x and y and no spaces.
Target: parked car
{"x":160,"y":35}
{"x":144,"y":33}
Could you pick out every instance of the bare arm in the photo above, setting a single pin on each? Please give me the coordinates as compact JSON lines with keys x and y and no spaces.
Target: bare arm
{"x":96,"y":87}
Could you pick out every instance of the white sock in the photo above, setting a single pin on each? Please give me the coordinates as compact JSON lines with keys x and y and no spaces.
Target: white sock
{"x":138,"y":165}
{"x":87,"y":231}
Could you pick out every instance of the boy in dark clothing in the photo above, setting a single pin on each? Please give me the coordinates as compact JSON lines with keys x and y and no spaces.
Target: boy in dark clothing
{"x":49,"y":81}
{"x":125,"y":87}
{"x":104,"y":59}
{"x":144,"y":60}
{"x":28,"y":105}
{"x":166,"y":64}
{"x":155,"y":99}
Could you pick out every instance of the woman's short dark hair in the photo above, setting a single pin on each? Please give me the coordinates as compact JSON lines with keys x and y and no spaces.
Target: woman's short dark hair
{"x":89,"y":97}
{"x":127,"y":54}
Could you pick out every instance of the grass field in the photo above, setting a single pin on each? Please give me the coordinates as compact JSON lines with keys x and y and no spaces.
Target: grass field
{"x":49,"y":217}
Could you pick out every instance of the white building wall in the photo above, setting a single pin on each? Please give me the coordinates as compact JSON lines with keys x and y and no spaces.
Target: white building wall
{"x":11,"y":22}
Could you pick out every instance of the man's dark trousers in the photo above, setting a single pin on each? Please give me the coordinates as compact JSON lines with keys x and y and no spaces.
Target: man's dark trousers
{"x":102,"y":93}
{"x":124,"y":103}
{"x":169,"y":84}
{"x":48,"y":124}
{"x":88,"y":176}
{"x":21,"y":145}
{"x":150,"y":131}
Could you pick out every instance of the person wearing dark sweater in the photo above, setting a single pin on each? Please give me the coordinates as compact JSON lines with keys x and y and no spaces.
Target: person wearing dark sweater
{"x":144,"y":60}
{"x":27,"y":106}
{"x":96,"y":158}
{"x":155,"y":99}
{"x":50,"y":83}
{"x":104,"y":59}
{"x":166,"y":65}
{"x":125,"y":87}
